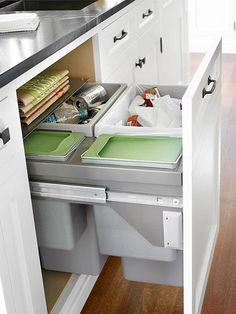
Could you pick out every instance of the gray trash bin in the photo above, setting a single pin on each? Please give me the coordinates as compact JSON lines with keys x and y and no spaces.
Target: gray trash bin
{"x":59,"y":225}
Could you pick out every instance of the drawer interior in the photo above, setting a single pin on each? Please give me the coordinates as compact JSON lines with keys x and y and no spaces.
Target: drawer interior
{"x":114,"y":121}
{"x":80,"y":65}
{"x":113,"y":91}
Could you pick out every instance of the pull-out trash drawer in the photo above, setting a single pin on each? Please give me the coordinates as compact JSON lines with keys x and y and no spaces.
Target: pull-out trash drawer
{"x":123,"y":227}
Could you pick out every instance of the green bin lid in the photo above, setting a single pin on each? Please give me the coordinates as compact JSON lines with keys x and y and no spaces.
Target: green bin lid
{"x":51,"y":143}
{"x":118,"y":149}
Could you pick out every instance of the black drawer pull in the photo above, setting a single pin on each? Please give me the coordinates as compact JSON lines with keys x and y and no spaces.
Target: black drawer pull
{"x":5,"y":136}
{"x":161,"y":45}
{"x":149,"y":12}
{"x":207,"y":92}
{"x":140,"y":62}
{"x":123,"y":35}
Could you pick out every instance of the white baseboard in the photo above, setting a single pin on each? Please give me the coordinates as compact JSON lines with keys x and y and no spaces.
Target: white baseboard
{"x":75,"y":294}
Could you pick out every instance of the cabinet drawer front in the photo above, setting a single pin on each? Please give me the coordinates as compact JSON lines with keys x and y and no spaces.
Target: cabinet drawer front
{"x":9,"y":128}
{"x":201,"y":164}
{"x":114,"y":41}
{"x":144,"y":15}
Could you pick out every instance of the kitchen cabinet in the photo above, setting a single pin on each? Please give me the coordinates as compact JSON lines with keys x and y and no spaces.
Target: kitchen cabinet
{"x":171,"y":57}
{"x":200,"y":214}
{"x":211,"y":18}
{"x":19,"y":261}
{"x":147,"y":33}
{"x":141,"y":66}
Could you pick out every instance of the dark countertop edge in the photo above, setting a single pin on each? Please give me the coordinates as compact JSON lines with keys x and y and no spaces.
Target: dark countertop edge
{"x":32,"y":61}
{"x":114,"y":10}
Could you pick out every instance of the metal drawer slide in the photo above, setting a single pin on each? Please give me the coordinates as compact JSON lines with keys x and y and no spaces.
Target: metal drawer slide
{"x":99,"y":195}
{"x":144,"y":199}
{"x":68,"y":192}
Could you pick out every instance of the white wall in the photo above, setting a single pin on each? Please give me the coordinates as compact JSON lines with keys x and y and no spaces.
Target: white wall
{"x":211,"y":18}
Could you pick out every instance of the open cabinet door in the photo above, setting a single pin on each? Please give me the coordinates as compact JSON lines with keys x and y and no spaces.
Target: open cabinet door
{"x":201,"y":170}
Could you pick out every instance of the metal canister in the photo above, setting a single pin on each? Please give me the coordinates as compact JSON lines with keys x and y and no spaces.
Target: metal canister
{"x":94,"y":94}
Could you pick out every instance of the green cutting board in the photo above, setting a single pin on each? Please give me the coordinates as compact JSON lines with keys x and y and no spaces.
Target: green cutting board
{"x":137,"y":148}
{"x":51,"y":143}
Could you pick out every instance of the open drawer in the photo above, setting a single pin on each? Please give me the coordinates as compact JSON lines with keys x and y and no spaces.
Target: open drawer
{"x":199,"y":179}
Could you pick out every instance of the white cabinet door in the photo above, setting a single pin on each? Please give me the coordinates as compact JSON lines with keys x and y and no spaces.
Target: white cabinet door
{"x":20,"y":273}
{"x":170,"y":61}
{"x":145,"y":64}
{"x":201,"y":165}
{"x":123,"y":74}
{"x":145,"y":67}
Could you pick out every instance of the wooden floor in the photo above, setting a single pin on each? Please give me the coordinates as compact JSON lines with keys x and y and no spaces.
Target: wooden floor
{"x":54,"y":283}
{"x":113,"y":294}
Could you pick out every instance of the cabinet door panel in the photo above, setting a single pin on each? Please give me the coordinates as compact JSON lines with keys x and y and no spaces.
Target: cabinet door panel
{"x":6,"y":303}
{"x":8,"y":116}
{"x":147,"y":72}
{"x":113,"y":42}
{"x":144,"y":14}
{"x":201,"y":163}
{"x":145,"y":61}
{"x":123,"y":74}
{"x":19,"y":263}
{"x":171,"y":43}
{"x":20,"y":272}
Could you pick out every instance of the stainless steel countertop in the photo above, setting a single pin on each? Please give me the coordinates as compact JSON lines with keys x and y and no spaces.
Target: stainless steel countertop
{"x":20,"y":51}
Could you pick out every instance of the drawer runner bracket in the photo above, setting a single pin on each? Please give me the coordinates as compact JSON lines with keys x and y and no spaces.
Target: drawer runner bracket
{"x":153,"y":200}
{"x":68,"y":192}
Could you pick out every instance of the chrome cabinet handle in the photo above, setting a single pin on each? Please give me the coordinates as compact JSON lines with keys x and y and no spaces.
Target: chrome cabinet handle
{"x":149,"y":13}
{"x":140,"y":62}
{"x":5,"y":136}
{"x":123,"y":35}
{"x":207,"y":92}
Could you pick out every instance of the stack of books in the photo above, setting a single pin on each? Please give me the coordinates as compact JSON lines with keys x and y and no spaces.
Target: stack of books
{"x":40,"y":93}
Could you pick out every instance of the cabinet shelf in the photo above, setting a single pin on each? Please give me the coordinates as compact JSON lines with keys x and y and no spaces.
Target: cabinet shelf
{"x":75,"y":85}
